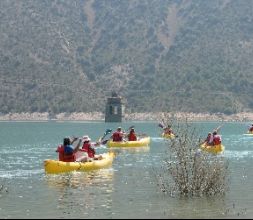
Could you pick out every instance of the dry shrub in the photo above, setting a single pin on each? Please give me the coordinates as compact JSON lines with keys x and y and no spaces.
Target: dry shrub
{"x":3,"y":190}
{"x":189,"y":171}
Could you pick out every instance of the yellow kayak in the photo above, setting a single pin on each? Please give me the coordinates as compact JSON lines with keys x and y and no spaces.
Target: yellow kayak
{"x":56,"y":166}
{"x":216,"y":149}
{"x":139,"y":143}
{"x":168,"y":136}
{"x":249,"y":133}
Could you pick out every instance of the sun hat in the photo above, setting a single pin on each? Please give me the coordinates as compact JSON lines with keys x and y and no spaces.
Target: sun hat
{"x":86,"y":138}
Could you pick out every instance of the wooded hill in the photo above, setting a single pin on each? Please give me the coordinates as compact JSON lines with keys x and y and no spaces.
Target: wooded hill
{"x":160,"y":55}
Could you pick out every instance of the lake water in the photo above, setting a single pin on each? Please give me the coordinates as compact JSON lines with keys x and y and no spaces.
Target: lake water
{"x":126,"y":190}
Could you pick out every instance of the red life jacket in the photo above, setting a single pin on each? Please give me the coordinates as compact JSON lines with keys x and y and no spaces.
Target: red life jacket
{"x":168,"y":131}
{"x":217,"y":139}
{"x":132,"y":136}
{"x":65,"y":157}
{"x":117,"y":136}
{"x":87,"y":148}
{"x":251,"y":129}
{"x":60,"y":150}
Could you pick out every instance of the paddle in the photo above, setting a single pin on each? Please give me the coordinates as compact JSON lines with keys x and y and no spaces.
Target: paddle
{"x":101,"y":139}
{"x":210,"y":139}
{"x":219,"y":127}
{"x":108,"y":131}
{"x":130,"y":127}
{"x":105,"y":141}
{"x":161,"y":125}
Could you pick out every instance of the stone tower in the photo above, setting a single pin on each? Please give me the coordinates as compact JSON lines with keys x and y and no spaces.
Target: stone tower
{"x":114,"y":110}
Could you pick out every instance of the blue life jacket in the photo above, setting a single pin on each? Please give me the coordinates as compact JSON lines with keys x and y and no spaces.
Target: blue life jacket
{"x":68,"y":149}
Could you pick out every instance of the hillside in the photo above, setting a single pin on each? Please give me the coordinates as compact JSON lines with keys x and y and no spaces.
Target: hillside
{"x":160,"y":55}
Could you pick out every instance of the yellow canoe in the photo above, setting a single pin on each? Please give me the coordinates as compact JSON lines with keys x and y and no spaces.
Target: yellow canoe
{"x":249,"y":133}
{"x":168,"y":136}
{"x":139,"y":143}
{"x":216,"y":149}
{"x":56,"y":166}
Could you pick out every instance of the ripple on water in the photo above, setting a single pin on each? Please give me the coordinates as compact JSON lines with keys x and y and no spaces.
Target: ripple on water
{"x":238,"y":154}
{"x":157,"y":139}
{"x":20,"y":173}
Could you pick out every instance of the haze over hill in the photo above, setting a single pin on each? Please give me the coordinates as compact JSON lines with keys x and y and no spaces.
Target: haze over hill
{"x":160,"y":55}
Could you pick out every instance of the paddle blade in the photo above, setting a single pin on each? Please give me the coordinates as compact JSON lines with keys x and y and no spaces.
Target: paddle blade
{"x":160,"y":125}
{"x":108,"y":131}
{"x":104,"y":142}
{"x":131,"y":127}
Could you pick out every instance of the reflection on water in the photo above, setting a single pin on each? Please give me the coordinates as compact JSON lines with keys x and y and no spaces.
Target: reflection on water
{"x":198,"y":206}
{"x":80,"y":179}
{"x":81,"y":193}
{"x":118,"y":150}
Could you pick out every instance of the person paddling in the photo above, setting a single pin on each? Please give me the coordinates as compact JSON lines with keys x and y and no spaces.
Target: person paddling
{"x":67,"y":150}
{"x":216,"y":138}
{"x":209,"y":139}
{"x":251,"y":129}
{"x":118,"y":135}
{"x":88,"y":147}
{"x":168,"y":131}
{"x":132,"y":136}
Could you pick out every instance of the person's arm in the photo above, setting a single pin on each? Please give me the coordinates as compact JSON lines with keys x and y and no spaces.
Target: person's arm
{"x":124,"y":136}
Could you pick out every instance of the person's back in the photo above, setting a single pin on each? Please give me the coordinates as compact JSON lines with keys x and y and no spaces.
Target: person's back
{"x":216,"y":139}
{"x":251,"y":129}
{"x":168,"y":130}
{"x":88,"y":148}
{"x":132,"y":136}
{"x":67,"y":151}
{"x":117,"y":136}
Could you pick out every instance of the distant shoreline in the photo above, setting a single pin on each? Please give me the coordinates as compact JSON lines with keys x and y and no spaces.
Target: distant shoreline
{"x":99,"y":116}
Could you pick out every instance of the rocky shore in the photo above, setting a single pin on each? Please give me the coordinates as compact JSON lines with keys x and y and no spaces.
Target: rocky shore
{"x":99,"y":116}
